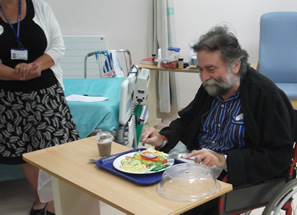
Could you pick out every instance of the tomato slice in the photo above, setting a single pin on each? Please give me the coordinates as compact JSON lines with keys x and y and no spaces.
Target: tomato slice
{"x":149,"y":155}
{"x":164,"y":161}
{"x":151,"y":159}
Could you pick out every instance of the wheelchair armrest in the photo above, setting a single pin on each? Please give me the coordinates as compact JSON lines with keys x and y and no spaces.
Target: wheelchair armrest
{"x":251,"y":196}
{"x":225,"y":179}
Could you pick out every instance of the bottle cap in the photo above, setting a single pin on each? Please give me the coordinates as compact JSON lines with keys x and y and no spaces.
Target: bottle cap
{"x":173,"y":49}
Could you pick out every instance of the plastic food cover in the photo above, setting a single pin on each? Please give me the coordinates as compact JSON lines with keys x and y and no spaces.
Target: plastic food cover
{"x":188,"y":182}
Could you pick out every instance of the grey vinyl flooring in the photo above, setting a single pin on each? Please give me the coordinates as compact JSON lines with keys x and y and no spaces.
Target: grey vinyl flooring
{"x":16,"y":197}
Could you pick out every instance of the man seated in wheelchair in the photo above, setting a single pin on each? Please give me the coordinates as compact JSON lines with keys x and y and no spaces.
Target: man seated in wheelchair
{"x":239,"y":120}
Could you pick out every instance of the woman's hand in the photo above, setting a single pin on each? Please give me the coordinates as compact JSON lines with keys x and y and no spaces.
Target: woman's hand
{"x":27,"y":71}
{"x":208,"y":158}
{"x":152,"y":137}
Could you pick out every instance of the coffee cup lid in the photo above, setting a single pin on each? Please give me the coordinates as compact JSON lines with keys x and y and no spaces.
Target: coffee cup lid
{"x":102,"y":135}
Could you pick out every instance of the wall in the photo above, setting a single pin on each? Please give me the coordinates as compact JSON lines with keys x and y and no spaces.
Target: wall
{"x":124,"y":23}
{"x":195,"y":17}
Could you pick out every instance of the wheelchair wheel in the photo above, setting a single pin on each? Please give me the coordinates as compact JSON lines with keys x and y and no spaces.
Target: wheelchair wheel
{"x":282,"y":199}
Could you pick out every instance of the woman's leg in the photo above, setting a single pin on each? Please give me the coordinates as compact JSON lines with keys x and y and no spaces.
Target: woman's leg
{"x":51,"y":207}
{"x":31,"y":174}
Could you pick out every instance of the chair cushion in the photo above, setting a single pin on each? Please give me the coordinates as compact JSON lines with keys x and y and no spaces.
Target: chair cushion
{"x":290,"y":89}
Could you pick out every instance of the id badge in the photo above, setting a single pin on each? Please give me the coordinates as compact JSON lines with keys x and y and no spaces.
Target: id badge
{"x":19,"y":54}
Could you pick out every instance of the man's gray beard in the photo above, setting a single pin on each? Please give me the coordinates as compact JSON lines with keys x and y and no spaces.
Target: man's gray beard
{"x":222,"y":86}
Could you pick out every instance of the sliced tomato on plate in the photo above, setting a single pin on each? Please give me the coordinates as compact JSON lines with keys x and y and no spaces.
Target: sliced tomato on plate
{"x":145,"y":155}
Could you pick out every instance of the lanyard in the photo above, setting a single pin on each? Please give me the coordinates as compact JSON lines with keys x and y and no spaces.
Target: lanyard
{"x":17,"y":34}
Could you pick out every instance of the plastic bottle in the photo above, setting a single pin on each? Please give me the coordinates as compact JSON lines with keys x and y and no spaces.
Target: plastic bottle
{"x":192,"y":56}
{"x":159,"y":58}
{"x":173,"y":53}
{"x":154,"y":58}
{"x":180,"y":63}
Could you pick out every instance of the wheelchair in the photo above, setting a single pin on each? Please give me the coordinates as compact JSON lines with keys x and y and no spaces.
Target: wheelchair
{"x":275,"y":195}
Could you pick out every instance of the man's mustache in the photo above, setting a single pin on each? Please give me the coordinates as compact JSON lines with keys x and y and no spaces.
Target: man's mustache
{"x":210,"y":82}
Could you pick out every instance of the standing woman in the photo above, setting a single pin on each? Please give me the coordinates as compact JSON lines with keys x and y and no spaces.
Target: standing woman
{"x":33,"y":109}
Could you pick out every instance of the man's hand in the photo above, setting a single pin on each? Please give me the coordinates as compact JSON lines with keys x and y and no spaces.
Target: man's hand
{"x":152,"y":137}
{"x":208,"y":158}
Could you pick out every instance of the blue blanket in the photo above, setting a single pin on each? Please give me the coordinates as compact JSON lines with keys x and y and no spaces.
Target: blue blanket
{"x":89,"y":116}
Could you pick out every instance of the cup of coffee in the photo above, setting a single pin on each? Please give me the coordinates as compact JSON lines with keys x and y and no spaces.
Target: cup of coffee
{"x":104,"y":140}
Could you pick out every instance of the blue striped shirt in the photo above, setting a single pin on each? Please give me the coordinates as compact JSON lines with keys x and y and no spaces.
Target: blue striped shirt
{"x":223,"y":127}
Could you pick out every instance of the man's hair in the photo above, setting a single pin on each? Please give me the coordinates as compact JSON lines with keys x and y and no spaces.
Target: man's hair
{"x":220,"y":39}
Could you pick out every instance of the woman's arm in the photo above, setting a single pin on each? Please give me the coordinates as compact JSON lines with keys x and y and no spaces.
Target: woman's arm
{"x":26,"y":71}
{"x":56,"y":47}
{"x":45,"y":62}
{"x":22,"y":72}
{"x":32,"y":70}
{"x":7,"y":73}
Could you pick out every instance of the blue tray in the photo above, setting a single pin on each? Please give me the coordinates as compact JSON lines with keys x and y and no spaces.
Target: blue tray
{"x":143,"y":179}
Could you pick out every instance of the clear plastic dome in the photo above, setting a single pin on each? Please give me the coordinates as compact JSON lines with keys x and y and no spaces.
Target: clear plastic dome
{"x":188,"y":182}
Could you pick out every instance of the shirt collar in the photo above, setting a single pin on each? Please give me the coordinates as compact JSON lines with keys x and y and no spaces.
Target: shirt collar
{"x":233,"y":97}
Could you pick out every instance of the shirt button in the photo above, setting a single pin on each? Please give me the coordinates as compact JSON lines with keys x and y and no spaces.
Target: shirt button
{"x":212,"y":142}
{"x":222,"y":105}
{"x":219,"y":125}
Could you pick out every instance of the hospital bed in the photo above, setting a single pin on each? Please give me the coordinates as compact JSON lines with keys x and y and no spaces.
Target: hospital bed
{"x":91,"y":116}
{"x":126,"y":97}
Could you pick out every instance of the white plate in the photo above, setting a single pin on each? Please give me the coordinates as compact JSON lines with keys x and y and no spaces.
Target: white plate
{"x":117,"y":164}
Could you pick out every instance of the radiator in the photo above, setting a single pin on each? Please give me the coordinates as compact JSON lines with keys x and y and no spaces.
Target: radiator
{"x":77,"y":47}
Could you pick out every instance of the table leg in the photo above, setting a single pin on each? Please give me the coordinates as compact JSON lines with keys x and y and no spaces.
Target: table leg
{"x":70,"y":201}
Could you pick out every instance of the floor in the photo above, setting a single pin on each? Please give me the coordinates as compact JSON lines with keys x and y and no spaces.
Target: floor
{"x":16,"y":198}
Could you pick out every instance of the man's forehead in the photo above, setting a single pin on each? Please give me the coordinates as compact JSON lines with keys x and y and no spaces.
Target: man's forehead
{"x":207,"y":66}
{"x":208,"y":53}
{"x":209,"y":59}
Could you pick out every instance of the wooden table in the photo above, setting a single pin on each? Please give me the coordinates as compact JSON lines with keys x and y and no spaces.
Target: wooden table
{"x":78,"y":184}
{"x":155,"y":68}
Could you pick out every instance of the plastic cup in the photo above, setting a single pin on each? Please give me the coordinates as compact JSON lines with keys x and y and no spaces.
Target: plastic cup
{"x":104,"y":141}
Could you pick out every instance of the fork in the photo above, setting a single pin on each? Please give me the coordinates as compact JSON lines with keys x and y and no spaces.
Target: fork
{"x":180,"y":156}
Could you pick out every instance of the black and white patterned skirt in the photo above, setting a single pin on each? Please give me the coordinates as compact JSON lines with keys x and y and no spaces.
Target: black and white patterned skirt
{"x":33,"y":120}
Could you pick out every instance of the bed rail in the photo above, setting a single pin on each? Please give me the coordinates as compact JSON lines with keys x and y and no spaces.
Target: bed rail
{"x":124,"y":51}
